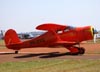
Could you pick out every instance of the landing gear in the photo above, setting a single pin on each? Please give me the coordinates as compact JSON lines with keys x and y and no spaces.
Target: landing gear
{"x":81,"y":50}
{"x":76,"y":50}
{"x":16,"y":52}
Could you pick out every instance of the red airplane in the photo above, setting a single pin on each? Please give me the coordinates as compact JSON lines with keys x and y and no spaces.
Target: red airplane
{"x":55,"y":34}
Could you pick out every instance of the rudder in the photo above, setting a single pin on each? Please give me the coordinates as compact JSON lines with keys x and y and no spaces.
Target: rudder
{"x":11,"y":37}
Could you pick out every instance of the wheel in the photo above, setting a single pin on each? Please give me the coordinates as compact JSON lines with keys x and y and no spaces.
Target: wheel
{"x":16,"y":52}
{"x":81,"y":50}
{"x":74,"y":50}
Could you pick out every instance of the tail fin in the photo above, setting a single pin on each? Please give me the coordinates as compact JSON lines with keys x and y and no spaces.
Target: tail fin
{"x":11,"y":37}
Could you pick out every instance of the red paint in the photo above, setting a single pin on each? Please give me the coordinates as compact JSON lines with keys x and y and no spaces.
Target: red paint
{"x":67,"y":37}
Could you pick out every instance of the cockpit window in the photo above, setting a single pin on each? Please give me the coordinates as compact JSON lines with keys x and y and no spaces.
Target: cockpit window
{"x":59,"y":32}
{"x":66,"y":29}
{"x":69,"y":28}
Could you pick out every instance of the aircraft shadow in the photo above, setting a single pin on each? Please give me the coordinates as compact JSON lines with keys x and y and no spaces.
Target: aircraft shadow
{"x":44,"y":55}
{"x":52,"y":55}
{"x":6,"y":53}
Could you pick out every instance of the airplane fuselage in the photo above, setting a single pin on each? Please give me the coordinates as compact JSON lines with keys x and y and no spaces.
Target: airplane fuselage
{"x":48,"y":38}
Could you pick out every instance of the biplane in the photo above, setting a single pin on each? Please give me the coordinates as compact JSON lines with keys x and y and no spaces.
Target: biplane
{"x":56,"y":34}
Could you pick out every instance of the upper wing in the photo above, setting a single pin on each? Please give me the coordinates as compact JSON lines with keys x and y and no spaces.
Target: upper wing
{"x":51,"y":26}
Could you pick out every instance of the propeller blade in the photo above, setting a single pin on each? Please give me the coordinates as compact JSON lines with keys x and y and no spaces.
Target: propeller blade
{"x":94,"y":33}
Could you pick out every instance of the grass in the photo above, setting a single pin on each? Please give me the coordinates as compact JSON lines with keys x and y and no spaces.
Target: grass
{"x":2,"y":44}
{"x":52,"y":65}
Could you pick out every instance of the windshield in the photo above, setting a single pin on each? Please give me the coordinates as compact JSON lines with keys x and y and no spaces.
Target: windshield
{"x":66,"y":29}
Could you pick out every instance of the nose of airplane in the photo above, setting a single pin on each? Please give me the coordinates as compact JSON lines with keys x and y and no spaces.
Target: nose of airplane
{"x":93,"y":31}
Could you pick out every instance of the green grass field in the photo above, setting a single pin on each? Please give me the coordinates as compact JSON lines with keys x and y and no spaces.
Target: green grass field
{"x":52,"y":65}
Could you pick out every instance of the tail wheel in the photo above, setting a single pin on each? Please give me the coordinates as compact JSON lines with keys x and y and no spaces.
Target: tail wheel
{"x":16,"y":52}
{"x":81,"y":50}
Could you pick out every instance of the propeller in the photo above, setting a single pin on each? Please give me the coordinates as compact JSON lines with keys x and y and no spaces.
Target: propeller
{"x":95,"y":32}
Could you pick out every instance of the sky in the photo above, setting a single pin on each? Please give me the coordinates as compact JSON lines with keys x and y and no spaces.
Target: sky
{"x":25,"y":15}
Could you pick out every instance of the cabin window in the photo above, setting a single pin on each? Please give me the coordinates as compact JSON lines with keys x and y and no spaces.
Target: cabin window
{"x":59,"y":32}
{"x":66,"y":30}
{"x":69,"y":28}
